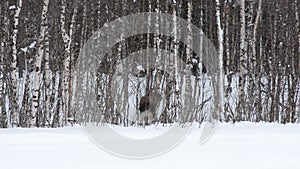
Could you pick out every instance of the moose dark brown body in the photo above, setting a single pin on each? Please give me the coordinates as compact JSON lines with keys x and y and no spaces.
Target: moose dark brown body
{"x":144,"y":103}
{"x":148,"y":107}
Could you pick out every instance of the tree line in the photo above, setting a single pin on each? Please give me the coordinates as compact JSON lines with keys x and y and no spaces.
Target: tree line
{"x":259,"y":42}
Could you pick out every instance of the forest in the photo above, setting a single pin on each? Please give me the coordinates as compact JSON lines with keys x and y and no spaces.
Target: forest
{"x":257,"y":43}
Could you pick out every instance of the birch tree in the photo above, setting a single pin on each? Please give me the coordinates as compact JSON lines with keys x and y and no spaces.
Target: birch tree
{"x":4,"y":52}
{"x":257,"y":18}
{"x":243,"y":59}
{"x":297,"y":13}
{"x":37,"y":70}
{"x":14,"y":73}
{"x":255,"y":68}
{"x":48,"y":78}
{"x":67,"y":39}
{"x":220,"y":77}
{"x":188,"y":86}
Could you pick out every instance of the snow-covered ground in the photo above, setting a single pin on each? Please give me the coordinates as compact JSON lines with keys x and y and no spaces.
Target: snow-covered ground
{"x":240,"y":146}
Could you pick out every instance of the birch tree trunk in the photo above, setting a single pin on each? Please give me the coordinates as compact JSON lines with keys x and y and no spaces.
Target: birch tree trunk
{"x":48,"y":79}
{"x":256,"y":63}
{"x":67,"y":38}
{"x":4,"y":119}
{"x":298,"y":29}
{"x":5,"y":34}
{"x":174,"y":61}
{"x":188,"y":86}
{"x":69,"y":63}
{"x":14,"y":68}
{"x":37,"y":73}
{"x":227,"y":40}
{"x":220,"y":77}
{"x":255,"y":30}
{"x":243,"y":61}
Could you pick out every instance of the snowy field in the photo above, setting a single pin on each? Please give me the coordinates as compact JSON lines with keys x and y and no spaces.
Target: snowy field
{"x":239,"y":146}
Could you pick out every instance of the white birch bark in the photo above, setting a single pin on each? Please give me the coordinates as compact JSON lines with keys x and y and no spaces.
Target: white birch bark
{"x":243,"y":54}
{"x":227,"y":39}
{"x":254,"y":57}
{"x":243,"y":59}
{"x":255,"y":30}
{"x":48,"y":78}
{"x":4,"y":114}
{"x":54,"y":109}
{"x":83,"y":30}
{"x":220,"y":77}
{"x":68,"y":63}
{"x":14,"y":73}
{"x":39,"y":57}
{"x":174,"y":62}
{"x":125,"y":94}
{"x":297,"y":26}
{"x":188,"y":86}
{"x":67,"y":38}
